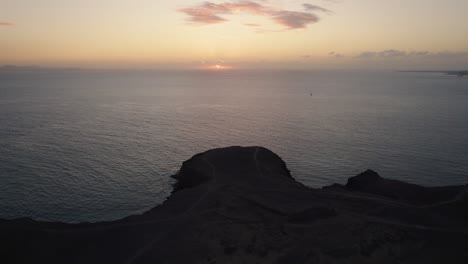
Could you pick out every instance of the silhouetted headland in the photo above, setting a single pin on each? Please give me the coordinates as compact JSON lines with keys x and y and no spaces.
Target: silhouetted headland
{"x":241,"y":205}
{"x":455,"y":73}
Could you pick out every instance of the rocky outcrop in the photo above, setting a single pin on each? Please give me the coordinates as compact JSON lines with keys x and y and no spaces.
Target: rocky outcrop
{"x":370,"y":182}
{"x":241,"y":205}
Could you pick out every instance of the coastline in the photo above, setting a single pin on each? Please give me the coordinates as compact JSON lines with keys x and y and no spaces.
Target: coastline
{"x":241,"y":204}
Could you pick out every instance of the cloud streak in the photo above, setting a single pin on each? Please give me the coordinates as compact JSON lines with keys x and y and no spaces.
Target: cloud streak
{"x":212,"y":13}
{"x":310,"y":7}
{"x":336,"y":54}
{"x":294,"y":20}
{"x":392,"y":53}
{"x":6,"y":24}
{"x":251,"y":25}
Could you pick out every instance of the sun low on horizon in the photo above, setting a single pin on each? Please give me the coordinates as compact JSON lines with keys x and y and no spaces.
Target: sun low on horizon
{"x":193,"y":34}
{"x":216,"y":67}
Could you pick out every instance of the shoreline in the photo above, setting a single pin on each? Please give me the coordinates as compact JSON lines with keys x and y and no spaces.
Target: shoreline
{"x":241,"y":204}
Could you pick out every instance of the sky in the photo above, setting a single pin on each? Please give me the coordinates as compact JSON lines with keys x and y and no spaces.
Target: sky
{"x":303,"y":34}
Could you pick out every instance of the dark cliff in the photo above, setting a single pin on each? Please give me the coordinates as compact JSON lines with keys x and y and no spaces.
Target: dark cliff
{"x":241,"y":205}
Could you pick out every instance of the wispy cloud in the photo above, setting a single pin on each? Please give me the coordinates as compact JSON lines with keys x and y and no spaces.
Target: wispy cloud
{"x":251,"y":25}
{"x":6,"y":24}
{"x":392,"y":53}
{"x":206,"y":13}
{"x":209,"y":13}
{"x":333,"y":1}
{"x":311,"y":7}
{"x":294,"y":20}
{"x":336,"y":54}
{"x":212,"y":13}
{"x":447,"y":54}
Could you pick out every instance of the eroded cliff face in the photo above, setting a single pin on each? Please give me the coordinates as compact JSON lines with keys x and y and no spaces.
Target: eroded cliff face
{"x":241,"y":205}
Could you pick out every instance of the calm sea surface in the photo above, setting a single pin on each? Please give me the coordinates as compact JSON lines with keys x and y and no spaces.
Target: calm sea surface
{"x":101,"y":145}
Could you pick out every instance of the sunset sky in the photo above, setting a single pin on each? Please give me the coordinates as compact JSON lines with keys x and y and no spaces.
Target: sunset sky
{"x":403,"y":34}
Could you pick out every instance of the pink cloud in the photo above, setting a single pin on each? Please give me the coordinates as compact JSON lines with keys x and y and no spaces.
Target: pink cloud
{"x":202,"y":15}
{"x":247,"y":7}
{"x":6,"y":24}
{"x":211,"y":13}
{"x":294,"y":20}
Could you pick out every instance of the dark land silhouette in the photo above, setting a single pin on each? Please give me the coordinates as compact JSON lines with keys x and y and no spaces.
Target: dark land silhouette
{"x":455,"y":73}
{"x":241,"y":205}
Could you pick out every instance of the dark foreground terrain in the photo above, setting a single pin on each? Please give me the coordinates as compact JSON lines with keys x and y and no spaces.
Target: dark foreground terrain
{"x":241,"y":205}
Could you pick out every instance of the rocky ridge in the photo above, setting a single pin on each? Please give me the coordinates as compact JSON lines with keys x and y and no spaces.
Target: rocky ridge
{"x":241,"y":205}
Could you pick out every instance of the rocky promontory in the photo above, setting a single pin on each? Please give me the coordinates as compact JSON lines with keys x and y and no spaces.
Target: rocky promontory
{"x":241,"y":205}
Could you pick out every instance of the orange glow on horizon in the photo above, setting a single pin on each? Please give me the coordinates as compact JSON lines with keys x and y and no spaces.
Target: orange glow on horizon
{"x":200,"y":34}
{"x":216,"y":67}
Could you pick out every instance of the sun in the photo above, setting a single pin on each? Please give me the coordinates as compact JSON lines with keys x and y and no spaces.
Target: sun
{"x":222,"y":67}
{"x":217,"y":67}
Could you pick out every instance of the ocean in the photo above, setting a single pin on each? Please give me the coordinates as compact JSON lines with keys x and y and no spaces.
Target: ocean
{"x":94,"y":145}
